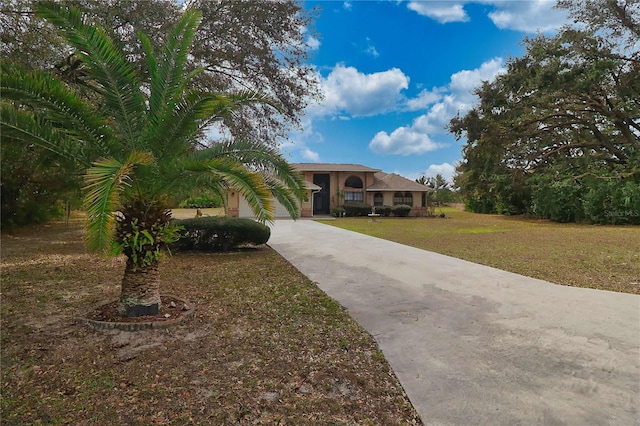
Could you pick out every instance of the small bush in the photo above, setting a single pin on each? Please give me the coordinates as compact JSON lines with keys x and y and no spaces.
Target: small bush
{"x":357,"y":209}
{"x":201,"y":202}
{"x":219,"y":233}
{"x":384,"y":210}
{"x":337,"y":211}
{"x":401,"y":210}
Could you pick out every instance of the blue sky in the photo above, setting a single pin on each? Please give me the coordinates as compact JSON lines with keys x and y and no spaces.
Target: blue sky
{"x":393,"y":73}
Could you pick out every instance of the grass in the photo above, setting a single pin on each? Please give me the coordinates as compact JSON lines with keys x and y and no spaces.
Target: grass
{"x":264,"y":346}
{"x":601,"y":257}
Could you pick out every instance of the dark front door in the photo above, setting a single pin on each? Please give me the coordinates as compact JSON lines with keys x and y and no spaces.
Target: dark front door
{"x":321,"y":198}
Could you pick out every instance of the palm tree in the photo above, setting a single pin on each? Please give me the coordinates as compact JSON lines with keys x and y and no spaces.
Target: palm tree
{"x":139,"y":142}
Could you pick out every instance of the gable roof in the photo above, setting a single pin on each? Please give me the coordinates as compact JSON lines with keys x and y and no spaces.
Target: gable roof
{"x":332,"y":167}
{"x":393,"y":182}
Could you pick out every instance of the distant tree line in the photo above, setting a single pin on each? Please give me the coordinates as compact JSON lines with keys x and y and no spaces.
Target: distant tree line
{"x":558,"y":135}
{"x":442,"y":191}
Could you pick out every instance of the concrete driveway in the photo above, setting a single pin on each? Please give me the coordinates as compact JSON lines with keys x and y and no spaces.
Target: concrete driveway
{"x":474,"y":345}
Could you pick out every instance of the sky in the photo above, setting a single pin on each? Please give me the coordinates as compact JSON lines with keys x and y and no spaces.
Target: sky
{"x":394,"y":73}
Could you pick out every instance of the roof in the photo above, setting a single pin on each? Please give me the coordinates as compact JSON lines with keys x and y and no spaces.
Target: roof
{"x":393,"y":182}
{"x":332,"y":167}
{"x":311,"y":186}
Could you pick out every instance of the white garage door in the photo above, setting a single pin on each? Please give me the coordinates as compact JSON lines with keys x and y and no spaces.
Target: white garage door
{"x":245,"y":211}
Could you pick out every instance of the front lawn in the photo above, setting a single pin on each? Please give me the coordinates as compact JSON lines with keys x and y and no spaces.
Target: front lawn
{"x":602,"y":257}
{"x":264,"y":345}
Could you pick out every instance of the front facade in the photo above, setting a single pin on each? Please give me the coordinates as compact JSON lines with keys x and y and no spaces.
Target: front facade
{"x":332,"y":185}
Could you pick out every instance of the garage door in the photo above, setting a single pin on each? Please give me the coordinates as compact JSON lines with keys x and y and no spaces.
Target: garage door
{"x":245,"y":211}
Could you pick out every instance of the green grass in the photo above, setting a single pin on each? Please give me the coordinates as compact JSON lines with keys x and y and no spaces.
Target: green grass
{"x":594,"y":256}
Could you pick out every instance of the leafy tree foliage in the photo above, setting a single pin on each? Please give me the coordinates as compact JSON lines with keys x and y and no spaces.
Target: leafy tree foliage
{"x":35,"y":184}
{"x":442,"y":190}
{"x":560,"y":126}
{"x":140,"y":142}
{"x":255,"y":45}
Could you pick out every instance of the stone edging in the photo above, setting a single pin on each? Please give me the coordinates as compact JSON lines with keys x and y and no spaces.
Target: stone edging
{"x":136,"y":326}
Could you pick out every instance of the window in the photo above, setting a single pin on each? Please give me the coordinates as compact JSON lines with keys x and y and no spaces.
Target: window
{"x":408,"y":199}
{"x":378,"y":199}
{"x":353,"y":182}
{"x":400,"y":198}
{"x":353,"y":197}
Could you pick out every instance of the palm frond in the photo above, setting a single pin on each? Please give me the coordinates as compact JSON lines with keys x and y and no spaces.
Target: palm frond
{"x":175,"y":134}
{"x":24,"y":126}
{"x":58,"y":105}
{"x":108,"y":66}
{"x":284,"y":196}
{"x":251,"y":185}
{"x":260,"y":157}
{"x":105,"y":181}
{"x":248,"y":97}
{"x":167,"y":73}
{"x":193,"y":114}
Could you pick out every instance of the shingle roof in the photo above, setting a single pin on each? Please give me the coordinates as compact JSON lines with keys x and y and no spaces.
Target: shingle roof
{"x":393,"y":182}
{"x":332,"y":167}
{"x":311,"y":186}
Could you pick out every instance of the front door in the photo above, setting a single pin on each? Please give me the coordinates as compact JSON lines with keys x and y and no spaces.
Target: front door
{"x":321,"y":198}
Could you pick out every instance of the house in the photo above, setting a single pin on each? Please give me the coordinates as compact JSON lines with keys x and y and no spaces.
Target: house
{"x":331,"y":185}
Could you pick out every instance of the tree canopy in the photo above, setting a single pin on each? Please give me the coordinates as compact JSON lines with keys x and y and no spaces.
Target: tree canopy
{"x":558,"y":134}
{"x":250,"y":46}
{"x":254,"y":45}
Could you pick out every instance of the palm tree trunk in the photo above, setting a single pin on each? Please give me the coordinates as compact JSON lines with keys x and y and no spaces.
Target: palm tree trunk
{"x":140,"y":294}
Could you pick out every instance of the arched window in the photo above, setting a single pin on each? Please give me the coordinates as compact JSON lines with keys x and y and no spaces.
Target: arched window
{"x":408,"y":199}
{"x":351,"y":196}
{"x":378,"y":199}
{"x":353,"y":182}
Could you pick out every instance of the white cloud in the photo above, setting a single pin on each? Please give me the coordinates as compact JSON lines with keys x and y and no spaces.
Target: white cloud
{"x":371,"y":49}
{"x":402,"y":141}
{"x":424,"y":99}
{"x":310,"y":155}
{"x":528,"y":16}
{"x":445,"y":169}
{"x":459,"y":97}
{"x":349,"y":91}
{"x":347,"y":5}
{"x":464,"y":82}
{"x":441,"y":12}
{"x":444,"y":103}
{"x":313,"y":43}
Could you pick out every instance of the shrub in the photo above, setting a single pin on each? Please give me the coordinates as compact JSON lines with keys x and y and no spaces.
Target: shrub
{"x":357,"y":209}
{"x":384,"y":210}
{"x":612,"y":201}
{"x":200,"y":202}
{"x":556,"y":199}
{"x":220,"y":233}
{"x":337,"y":211}
{"x":401,"y":210}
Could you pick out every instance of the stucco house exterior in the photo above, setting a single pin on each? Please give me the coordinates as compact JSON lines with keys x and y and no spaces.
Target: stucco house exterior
{"x":330,"y":185}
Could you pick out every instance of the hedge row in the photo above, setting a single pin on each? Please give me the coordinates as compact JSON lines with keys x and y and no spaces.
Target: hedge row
{"x":219,"y":233}
{"x":201,"y":202}
{"x":362,"y":209}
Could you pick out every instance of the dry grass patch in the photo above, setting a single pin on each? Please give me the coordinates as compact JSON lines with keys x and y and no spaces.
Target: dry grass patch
{"x":265,"y":345}
{"x":602,"y":257}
